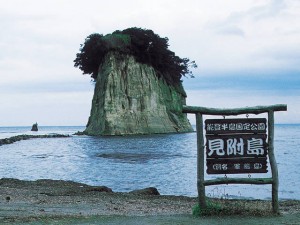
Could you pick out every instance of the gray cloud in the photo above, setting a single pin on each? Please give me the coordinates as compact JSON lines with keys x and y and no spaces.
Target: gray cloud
{"x":284,"y":56}
{"x":288,"y":54}
{"x":233,"y":24}
{"x":39,"y":41}
{"x":231,"y":30}
{"x":284,"y":82}
{"x":272,"y":9}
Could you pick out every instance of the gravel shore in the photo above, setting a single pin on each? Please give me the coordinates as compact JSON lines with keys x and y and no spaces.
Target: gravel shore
{"x":34,"y":200}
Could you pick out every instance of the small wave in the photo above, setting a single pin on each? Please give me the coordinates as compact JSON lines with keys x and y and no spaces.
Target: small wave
{"x":41,"y":156}
{"x":129,"y":157}
{"x":136,"y":157}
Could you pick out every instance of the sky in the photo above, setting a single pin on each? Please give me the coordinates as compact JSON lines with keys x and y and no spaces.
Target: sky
{"x":247,"y":52}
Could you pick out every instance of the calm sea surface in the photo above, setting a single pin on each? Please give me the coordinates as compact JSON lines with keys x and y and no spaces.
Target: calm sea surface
{"x":167,"y":162}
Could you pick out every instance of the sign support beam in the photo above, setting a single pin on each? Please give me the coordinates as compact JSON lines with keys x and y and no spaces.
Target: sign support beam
{"x":200,"y":160}
{"x":275,"y":184}
{"x":257,"y":181}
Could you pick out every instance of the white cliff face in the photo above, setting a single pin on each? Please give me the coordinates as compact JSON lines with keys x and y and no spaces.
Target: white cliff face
{"x":129,"y":98}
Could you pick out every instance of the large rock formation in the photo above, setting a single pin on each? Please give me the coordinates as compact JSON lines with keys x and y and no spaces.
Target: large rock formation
{"x":129,"y":98}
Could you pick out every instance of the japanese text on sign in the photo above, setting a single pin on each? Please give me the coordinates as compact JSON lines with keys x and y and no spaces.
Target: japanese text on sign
{"x":220,"y":126}
{"x":236,"y":146}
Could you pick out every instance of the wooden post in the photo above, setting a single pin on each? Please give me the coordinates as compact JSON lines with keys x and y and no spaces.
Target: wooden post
{"x":200,"y":161}
{"x":275,"y":183}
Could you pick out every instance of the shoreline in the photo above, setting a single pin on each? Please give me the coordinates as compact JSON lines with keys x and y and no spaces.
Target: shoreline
{"x":41,"y":199}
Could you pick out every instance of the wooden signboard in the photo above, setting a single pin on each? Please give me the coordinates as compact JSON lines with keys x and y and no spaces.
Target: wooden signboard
{"x":236,"y":146}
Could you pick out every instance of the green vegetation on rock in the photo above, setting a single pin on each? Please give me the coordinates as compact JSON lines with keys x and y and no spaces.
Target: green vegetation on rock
{"x":146,"y":47}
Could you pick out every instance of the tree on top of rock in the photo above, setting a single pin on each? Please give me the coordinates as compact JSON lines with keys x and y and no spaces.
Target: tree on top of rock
{"x":146,"y":46}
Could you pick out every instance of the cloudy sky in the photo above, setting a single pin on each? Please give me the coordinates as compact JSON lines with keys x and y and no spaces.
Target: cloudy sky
{"x":248,"y":53}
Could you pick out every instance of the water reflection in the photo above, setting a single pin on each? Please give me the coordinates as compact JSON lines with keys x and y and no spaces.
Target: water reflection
{"x":121,"y":157}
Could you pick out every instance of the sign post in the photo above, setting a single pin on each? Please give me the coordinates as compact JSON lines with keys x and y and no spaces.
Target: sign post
{"x":200,"y":161}
{"x":235,"y":146}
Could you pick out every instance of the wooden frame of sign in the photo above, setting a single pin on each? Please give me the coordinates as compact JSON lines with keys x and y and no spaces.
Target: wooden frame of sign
{"x":222,"y":162}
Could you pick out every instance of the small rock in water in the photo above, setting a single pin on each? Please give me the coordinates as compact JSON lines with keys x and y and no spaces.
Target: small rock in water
{"x":34,"y":127}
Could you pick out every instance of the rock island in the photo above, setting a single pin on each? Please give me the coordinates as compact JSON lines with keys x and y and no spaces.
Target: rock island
{"x":138,"y":86}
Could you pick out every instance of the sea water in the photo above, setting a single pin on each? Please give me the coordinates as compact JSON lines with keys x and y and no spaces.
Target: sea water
{"x":167,"y":162}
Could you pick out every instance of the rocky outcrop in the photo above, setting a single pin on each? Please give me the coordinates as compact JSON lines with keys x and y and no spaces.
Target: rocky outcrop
{"x":21,"y":137}
{"x":129,"y":98}
{"x":35,"y":127}
{"x":146,"y":191}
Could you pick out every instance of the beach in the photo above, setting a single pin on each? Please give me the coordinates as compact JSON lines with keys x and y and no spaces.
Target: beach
{"x":54,"y":200}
